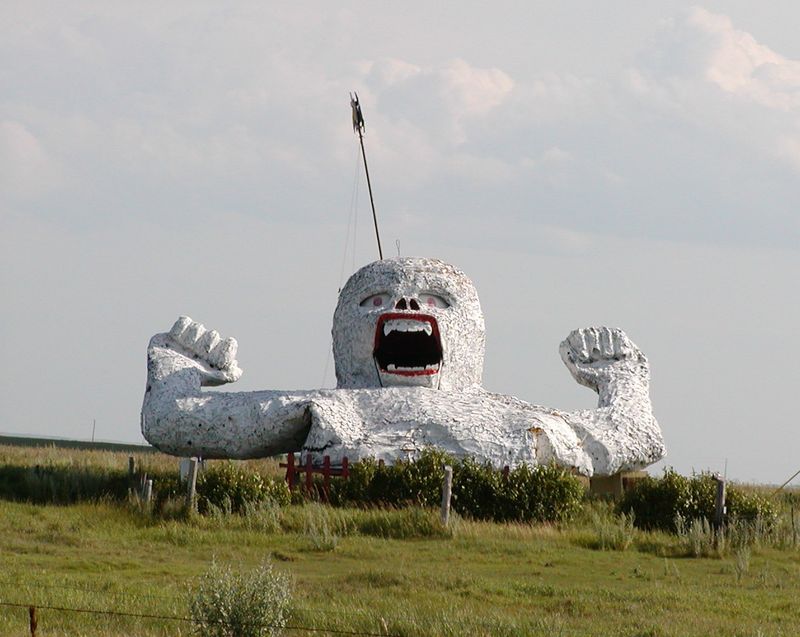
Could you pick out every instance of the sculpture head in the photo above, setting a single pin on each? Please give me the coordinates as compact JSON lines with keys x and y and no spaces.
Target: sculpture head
{"x":408,"y":321}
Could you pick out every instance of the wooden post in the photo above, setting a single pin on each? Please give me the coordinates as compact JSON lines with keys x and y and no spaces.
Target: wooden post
{"x":505,"y":472}
{"x":131,"y":467}
{"x":290,"y":473}
{"x":326,"y":476}
{"x":309,"y":473}
{"x":148,"y":491}
{"x":719,"y":511}
{"x":447,"y":489}
{"x":142,"y":485}
{"x":345,"y":468}
{"x":33,"y":622}
{"x":191,"y":485}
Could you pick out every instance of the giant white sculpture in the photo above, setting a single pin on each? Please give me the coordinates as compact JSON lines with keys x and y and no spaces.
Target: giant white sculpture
{"x":408,"y":344}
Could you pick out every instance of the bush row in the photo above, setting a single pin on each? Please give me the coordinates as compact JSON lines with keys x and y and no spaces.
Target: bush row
{"x":47,"y":484}
{"x":668,"y":502}
{"x":223,"y":485}
{"x":527,"y":494}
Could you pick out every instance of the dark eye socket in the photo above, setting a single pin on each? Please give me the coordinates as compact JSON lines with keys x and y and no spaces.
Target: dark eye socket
{"x":433,"y":300}
{"x":376,"y":300}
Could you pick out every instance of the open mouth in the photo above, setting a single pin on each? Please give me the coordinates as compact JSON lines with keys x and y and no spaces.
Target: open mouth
{"x":407,"y":344}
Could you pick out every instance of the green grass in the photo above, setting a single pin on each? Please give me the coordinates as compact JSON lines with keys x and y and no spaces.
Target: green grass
{"x":392,"y":572}
{"x":147,"y":461}
{"x":473,"y":579}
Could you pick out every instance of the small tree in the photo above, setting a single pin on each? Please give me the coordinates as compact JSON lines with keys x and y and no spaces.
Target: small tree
{"x":256,"y":603}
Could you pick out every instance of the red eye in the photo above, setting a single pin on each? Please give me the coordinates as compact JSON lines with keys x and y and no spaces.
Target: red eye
{"x":375,"y":300}
{"x":433,"y":300}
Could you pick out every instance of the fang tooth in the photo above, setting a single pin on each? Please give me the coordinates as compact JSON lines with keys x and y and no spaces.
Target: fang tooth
{"x":391,"y":367}
{"x":407,"y":325}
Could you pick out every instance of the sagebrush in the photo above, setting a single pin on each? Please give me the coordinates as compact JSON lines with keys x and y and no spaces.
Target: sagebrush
{"x":254,"y":603}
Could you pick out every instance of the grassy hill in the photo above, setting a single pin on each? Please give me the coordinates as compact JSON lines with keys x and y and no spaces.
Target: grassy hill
{"x":382,"y":572}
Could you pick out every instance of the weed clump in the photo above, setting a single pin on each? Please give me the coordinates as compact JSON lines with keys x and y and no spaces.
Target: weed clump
{"x":224,"y":603}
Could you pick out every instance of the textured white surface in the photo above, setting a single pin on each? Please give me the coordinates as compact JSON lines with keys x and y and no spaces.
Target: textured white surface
{"x":394,"y":412}
{"x":407,"y":278}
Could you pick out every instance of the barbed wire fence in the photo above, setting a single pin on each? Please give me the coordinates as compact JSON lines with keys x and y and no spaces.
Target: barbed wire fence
{"x":33,"y":619}
{"x":34,"y":604}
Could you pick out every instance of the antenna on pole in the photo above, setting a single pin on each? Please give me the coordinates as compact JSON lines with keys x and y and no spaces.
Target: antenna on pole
{"x":358,"y":127}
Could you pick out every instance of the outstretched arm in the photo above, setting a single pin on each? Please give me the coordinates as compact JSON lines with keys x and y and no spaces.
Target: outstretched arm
{"x":181,"y":419}
{"x":622,"y":433}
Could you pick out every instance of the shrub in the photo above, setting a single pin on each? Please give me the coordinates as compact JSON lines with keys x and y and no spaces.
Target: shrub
{"x":750,"y":506}
{"x":664,"y":503}
{"x":547,"y":493}
{"x":223,"y":603}
{"x":478,"y":491}
{"x":232,"y":488}
{"x":529,"y":494}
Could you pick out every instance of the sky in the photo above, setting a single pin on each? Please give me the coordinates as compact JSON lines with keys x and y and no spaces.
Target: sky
{"x":626,"y":164}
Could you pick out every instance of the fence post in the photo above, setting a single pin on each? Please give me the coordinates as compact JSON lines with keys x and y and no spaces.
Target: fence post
{"x":326,"y":476}
{"x":290,"y":470}
{"x":447,"y":489}
{"x":345,"y":468}
{"x":33,"y":622}
{"x":192,"y":485}
{"x":309,"y":473}
{"x":148,"y":491}
{"x":131,"y":467}
{"x":719,"y":510}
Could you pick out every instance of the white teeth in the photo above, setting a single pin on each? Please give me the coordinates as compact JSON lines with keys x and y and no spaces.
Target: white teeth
{"x":391,"y":367}
{"x":407,"y":325}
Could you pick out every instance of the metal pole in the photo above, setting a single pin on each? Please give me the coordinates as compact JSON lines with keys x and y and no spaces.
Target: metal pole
{"x":371,"y":200}
{"x":784,"y":484}
{"x":358,"y":126}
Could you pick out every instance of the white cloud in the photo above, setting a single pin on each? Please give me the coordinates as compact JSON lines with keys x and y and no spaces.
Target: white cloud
{"x":474,"y":91}
{"x":390,"y":71}
{"x":25,"y":166}
{"x":738,"y":64}
{"x":720,"y":78}
{"x":442,"y":100}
